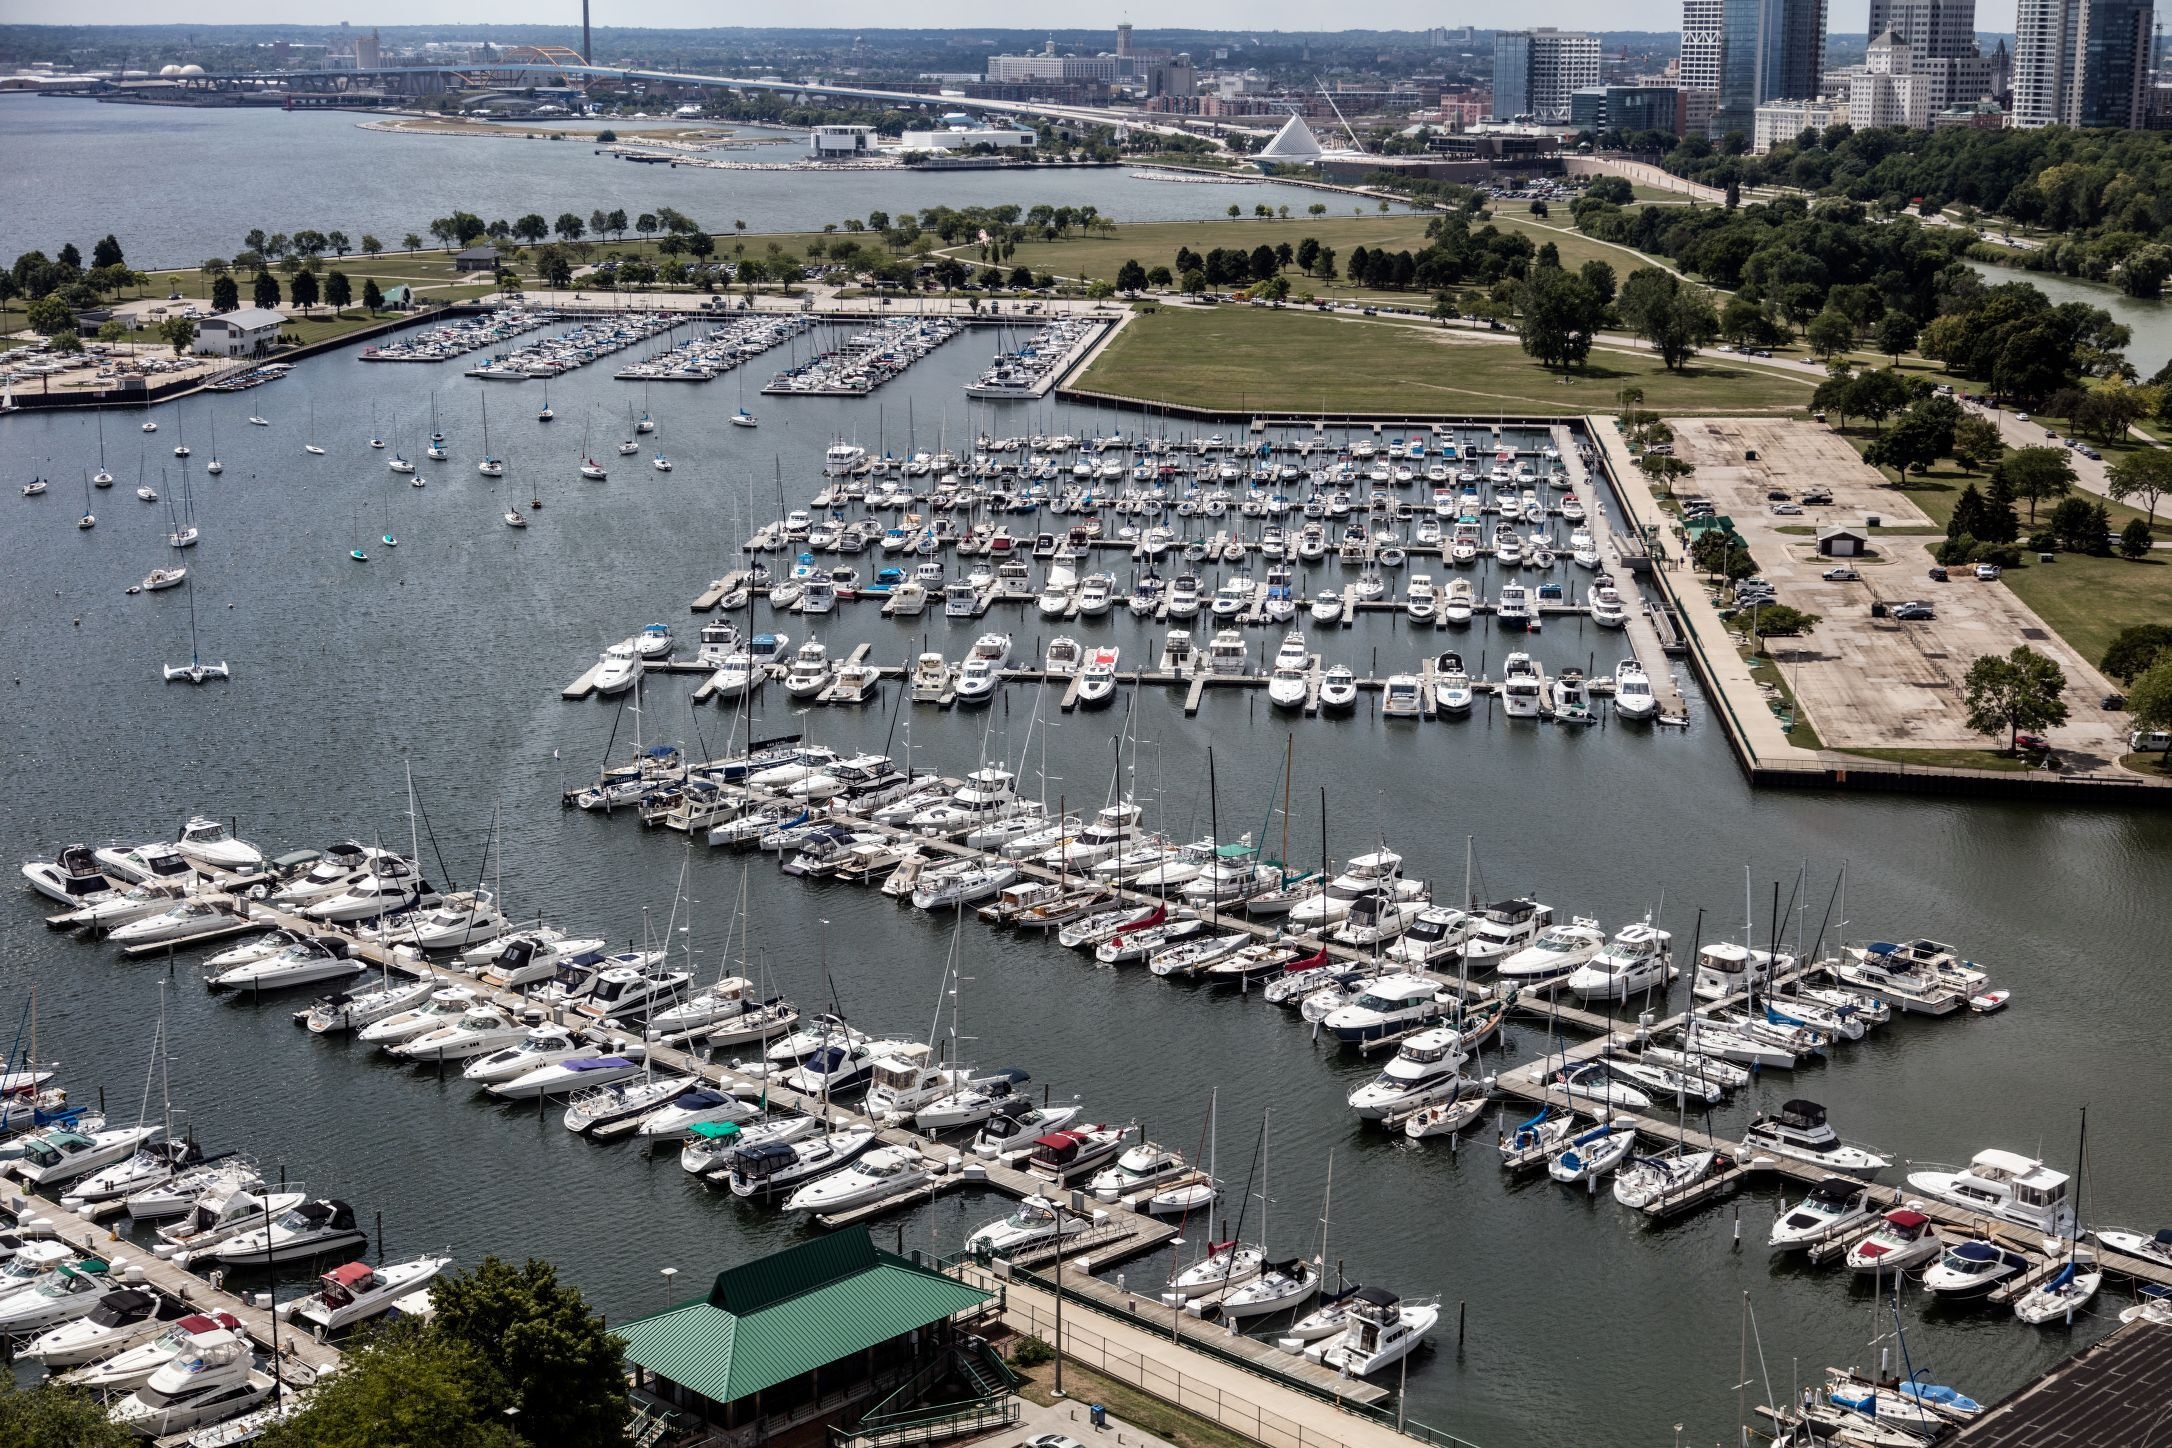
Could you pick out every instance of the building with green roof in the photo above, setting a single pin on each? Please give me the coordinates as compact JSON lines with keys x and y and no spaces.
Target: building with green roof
{"x":809,"y":1333}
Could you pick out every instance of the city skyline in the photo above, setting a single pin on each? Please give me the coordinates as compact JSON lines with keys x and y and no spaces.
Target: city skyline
{"x":1845,"y":16}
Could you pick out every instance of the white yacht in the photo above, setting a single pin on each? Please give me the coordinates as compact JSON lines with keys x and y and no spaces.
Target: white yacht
{"x":1037,"y":1222}
{"x":1451,"y":685}
{"x":1966,"y":1269}
{"x":539,"y":1046}
{"x":145,"y":864}
{"x":356,"y":1291}
{"x":1387,"y":1006}
{"x":222,"y":1214}
{"x":306,"y":962}
{"x":1607,"y":609}
{"x":1523,"y":688}
{"x":885,"y":1172}
{"x":532,"y":956}
{"x":2007,"y":1186}
{"x":391,"y":884}
{"x":133,"y":1367}
{"x":459,"y":920}
{"x":1505,"y":928}
{"x":214,"y":1378}
{"x":985,"y":795}
{"x":780,"y":1166}
{"x":695,"y":1106}
{"x":444,"y":1006}
{"x":73,"y":877}
{"x":1639,"y":958}
{"x":1832,"y":1207}
{"x":1424,"y":1071}
{"x":1097,"y":681}
{"x":1436,"y":933}
{"x":180,"y":922}
{"x":1726,"y":969}
{"x":618,"y":669}
{"x":1799,"y":1130}
{"x":1227,"y":654}
{"x":1555,"y":955}
{"x":1633,"y":697}
{"x":69,"y":1291}
{"x":1363,"y":875}
{"x":123,"y":1320}
{"x":211,"y":845}
{"x":569,"y":1075}
{"x":309,"y":1230}
{"x":1904,"y":1240}
{"x":1402,"y":696}
{"x":1382,"y":1329}
{"x":339,"y":867}
{"x":60,"y":1154}
{"x":477,"y":1031}
{"x":810,"y":672}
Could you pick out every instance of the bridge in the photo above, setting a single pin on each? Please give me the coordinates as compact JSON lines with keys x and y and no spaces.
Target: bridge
{"x":555,"y":67}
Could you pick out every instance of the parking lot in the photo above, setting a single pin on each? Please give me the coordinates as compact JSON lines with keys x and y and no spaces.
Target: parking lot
{"x":1866,"y":682}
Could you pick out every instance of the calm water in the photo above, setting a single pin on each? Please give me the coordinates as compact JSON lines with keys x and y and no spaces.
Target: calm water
{"x":448,"y":653}
{"x":2151,"y":319}
{"x":178,"y":185}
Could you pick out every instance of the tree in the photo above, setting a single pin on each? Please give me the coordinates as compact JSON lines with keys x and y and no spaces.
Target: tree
{"x":50,"y":316}
{"x":1779,"y":620}
{"x":2150,"y":698}
{"x":371,"y":246}
{"x":51,"y":1416}
{"x":2145,"y":476}
{"x":1560,"y":318}
{"x":599,"y":221}
{"x":1193,"y":282}
{"x":373,"y":296}
{"x":1830,"y":333}
{"x":569,"y":226}
{"x":337,"y":241}
{"x":107,"y":252}
{"x":2012,"y":692}
{"x":541,"y":1351}
{"x":1600,"y":278}
{"x":1159,"y":277}
{"x":2134,"y":649}
{"x":1674,"y":318}
{"x":112,"y":330}
{"x":264,"y":292}
{"x":1131,"y":277}
{"x":616,"y":222}
{"x":2039,"y":474}
{"x":411,"y":242}
{"x":302,"y":291}
{"x":338,"y":290}
{"x":2080,"y":526}
{"x":1235,"y":211}
{"x":225,"y":294}
{"x":408,"y":1384}
{"x":532,"y":228}
{"x":2135,"y":540}
{"x":1896,"y":335}
{"x":1976,"y":442}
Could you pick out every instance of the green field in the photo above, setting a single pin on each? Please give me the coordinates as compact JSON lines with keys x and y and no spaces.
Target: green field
{"x":2087,"y":600}
{"x":1241,"y":358}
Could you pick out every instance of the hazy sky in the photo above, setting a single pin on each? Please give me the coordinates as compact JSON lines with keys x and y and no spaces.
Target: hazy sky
{"x":1846,"y":15}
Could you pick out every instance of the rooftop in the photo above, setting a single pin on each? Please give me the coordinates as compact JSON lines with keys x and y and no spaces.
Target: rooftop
{"x":2111,"y":1396}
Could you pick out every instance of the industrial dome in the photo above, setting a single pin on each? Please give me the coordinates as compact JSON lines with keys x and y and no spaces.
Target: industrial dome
{"x":169,"y":70}
{"x":192,"y":70}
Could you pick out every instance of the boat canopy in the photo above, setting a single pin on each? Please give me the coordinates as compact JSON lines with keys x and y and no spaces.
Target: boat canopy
{"x":1801,"y":1113}
{"x":1909,"y":1218}
{"x":1836,"y":1189}
{"x":714,"y":1130}
{"x":353,"y":1276}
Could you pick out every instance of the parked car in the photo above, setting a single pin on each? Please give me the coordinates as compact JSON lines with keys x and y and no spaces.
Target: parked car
{"x":1987,"y":572}
{"x":1911,"y":612}
{"x":1842,"y":574}
{"x":2159,"y":740}
{"x":1938,"y":573}
{"x":1788,"y":510}
{"x":1777,"y":495}
{"x":1817,"y":497}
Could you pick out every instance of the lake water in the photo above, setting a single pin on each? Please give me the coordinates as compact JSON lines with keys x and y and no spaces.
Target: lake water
{"x":2150,"y":318}
{"x":178,"y":184}
{"x":448,"y":653}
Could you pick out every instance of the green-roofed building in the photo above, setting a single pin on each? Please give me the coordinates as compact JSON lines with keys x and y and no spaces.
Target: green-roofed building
{"x":808,"y":1334}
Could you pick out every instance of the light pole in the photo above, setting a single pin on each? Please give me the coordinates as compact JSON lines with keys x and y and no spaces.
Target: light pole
{"x":1176,"y":1308}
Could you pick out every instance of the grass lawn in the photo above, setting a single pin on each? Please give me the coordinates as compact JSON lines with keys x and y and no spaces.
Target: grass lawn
{"x":1949,"y":758}
{"x":2087,"y":600}
{"x":1767,"y":670}
{"x":1299,"y":361}
{"x":1141,"y":1410}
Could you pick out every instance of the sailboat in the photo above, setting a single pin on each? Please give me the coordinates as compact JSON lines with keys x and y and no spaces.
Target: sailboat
{"x":2068,"y":1290}
{"x":356,"y":552}
{"x":180,"y":449}
{"x":1279,"y":1284}
{"x":435,"y":452}
{"x":376,"y":440}
{"x":311,"y":447}
{"x":545,"y":415}
{"x":196,"y":671}
{"x":629,"y":447}
{"x":398,"y":461}
{"x":214,"y":467}
{"x":744,"y":418}
{"x":89,"y":519}
{"x":590,"y":468}
{"x":390,"y":541}
{"x":185,"y":532}
{"x":492,"y":466}
{"x":103,"y":478}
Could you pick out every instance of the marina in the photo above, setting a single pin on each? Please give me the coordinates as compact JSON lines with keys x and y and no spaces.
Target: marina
{"x":1556,"y":809}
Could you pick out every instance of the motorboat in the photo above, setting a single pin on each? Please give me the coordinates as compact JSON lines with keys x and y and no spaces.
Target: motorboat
{"x":390,"y":884}
{"x":178,"y":1193}
{"x":1338,"y":690}
{"x":538,"y":1046}
{"x":330,"y":874}
{"x":1458,"y":601}
{"x":221,"y":1215}
{"x":444,"y":1006}
{"x":1389,"y":1005}
{"x":155,"y":864}
{"x":1833,"y":1207}
{"x":257,"y":947}
{"x":152,"y":1163}
{"x":985,"y":795}
{"x":211,"y":1379}
{"x":1037,"y":1222}
{"x":692,"y":1107}
{"x":1380,"y":1330}
{"x":61,"y":1154}
{"x":567,"y":1076}
{"x":1660,"y":1081}
{"x":1639,"y":959}
{"x":1594,"y":1081}
{"x":1097,"y":681}
{"x":1452,"y":692}
{"x":1799,"y":1130}
{"x":1940,"y":961}
{"x":1606,"y":607}
{"x":878,"y":1175}
{"x":478,"y":1031}
{"x":68,"y":1291}
{"x":618,"y":669}
{"x":2006,"y":1186}
{"x":1592,"y":1154}
{"x":1139,"y":1168}
{"x":810,"y":671}
{"x":1402,"y":696}
{"x":1633,"y":697}
{"x":1523,"y":687}
{"x":982,"y":1099}
{"x":1009,"y":1131}
{"x":210,"y":844}
{"x":1903,"y":1240}
{"x":1363,"y":875}
{"x":627,"y":991}
{"x":1555,"y":955}
{"x":185,"y":921}
{"x":1425,"y":1070}
{"x":720,"y":1000}
{"x":776,"y":1167}
{"x":120,"y":1321}
{"x":1074,"y":1151}
{"x":1502,"y":929}
{"x":1902,"y":984}
{"x":133,"y":1366}
{"x":311,"y":1229}
{"x":305,"y":962}
{"x":458,"y":920}
{"x":1726,"y":969}
{"x":356,"y":1291}
{"x":73,"y":877}
{"x":839,"y":1067}
{"x":1965,"y":1270}
{"x":613,"y":1110}
{"x":2154,"y":1248}
{"x":1329,"y":1319}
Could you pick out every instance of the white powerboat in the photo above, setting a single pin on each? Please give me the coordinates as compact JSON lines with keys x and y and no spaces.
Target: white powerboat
{"x":352,"y":1010}
{"x":1555,"y":955}
{"x":1633,"y":697}
{"x":462,"y":919}
{"x":442,"y":1008}
{"x":477,"y":1031}
{"x":305,"y":962}
{"x":308,"y":1230}
{"x":1594,"y":1081}
{"x":211,"y":845}
{"x":144,"y":864}
{"x":1426,"y":1069}
{"x":1904,"y":1240}
{"x":134,"y":1366}
{"x":390,"y":884}
{"x":781,"y":1166}
{"x":357,"y":1291}
{"x":1965,"y":1270}
{"x":1387,"y":1006}
{"x":119,"y":1322}
{"x":74,"y":877}
{"x":67,"y":1292}
{"x":1380,"y":1330}
{"x":1593,"y":1154}
{"x":1726,"y":969}
{"x":540,"y":1046}
{"x":1037,"y":1222}
{"x":152,"y":1163}
{"x":1834,"y":1206}
{"x":1639,"y":959}
{"x":213,"y":1378}
{"x":2007,"y":1186}
{"x":618,"y":668}
{"x":221,"y":1214}
{"x":531,"y":957}
{"x":698,"y":1105}
{"x":1799,"y":1130}
{"x":185,"y":921}
{"x":1505,"y":928}
{"x":563,"y":1077}
{"x":1097,"y":681}
{"x":61,"y":1154}
{"x":884,"y":1172}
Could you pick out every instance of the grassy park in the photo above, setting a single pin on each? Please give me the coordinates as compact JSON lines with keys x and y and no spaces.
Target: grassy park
{"x":1299,"y":361}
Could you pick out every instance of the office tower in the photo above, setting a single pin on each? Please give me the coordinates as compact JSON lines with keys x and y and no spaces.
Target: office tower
{"x":1700,"y":68}
{"x":2081,"y":62}
{"x":1769,"y":50}
{"x":1931,"y":29}
{"x":1535,"y":72}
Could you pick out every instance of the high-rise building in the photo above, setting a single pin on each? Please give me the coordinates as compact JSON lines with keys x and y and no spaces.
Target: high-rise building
{"x":1535,"y":72}
{"x":1769,"y":50}
{"x":1886,"y":89}
{"x":1123,"y":38}
{"x":2081,"y":62}
{"x":1931,"y":29}
{"x":1700,"y":67}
